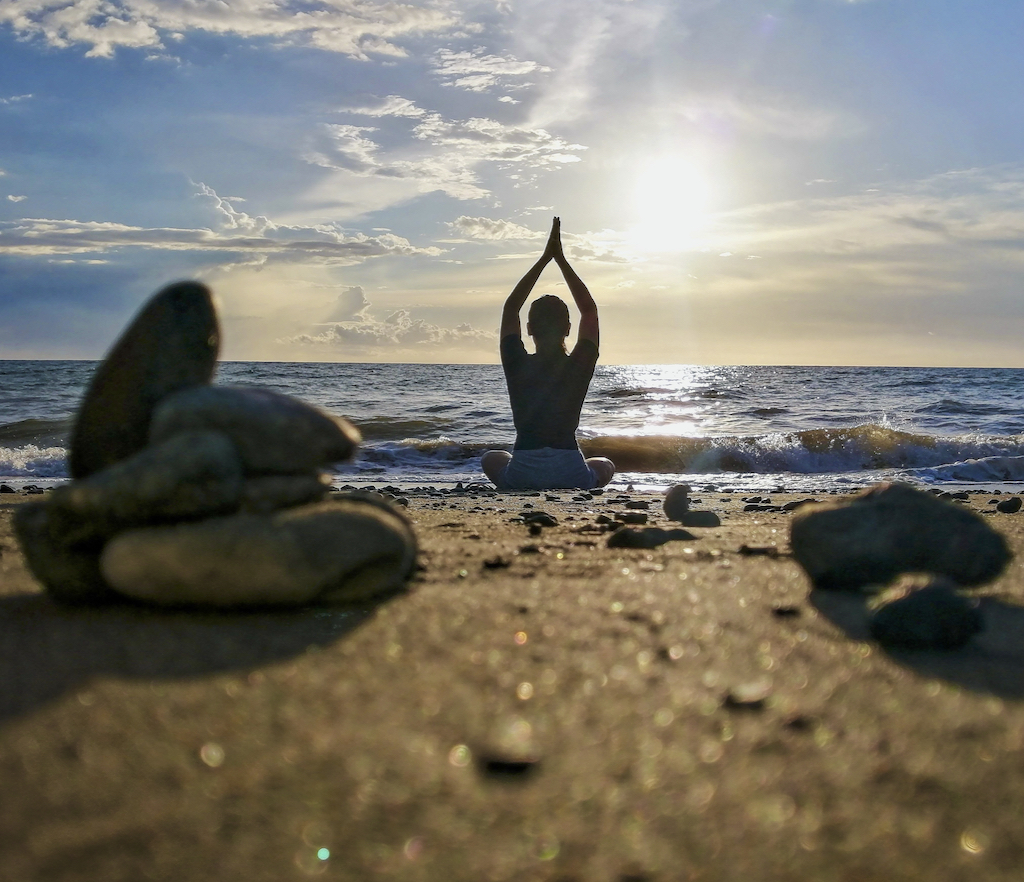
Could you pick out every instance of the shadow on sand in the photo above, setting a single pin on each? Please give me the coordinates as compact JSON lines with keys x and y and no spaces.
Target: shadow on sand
{"x":47,"y":649}
{"x":991,"y":662}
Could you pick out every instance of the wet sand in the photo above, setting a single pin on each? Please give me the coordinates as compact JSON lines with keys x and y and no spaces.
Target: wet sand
{"x":535,"y":707}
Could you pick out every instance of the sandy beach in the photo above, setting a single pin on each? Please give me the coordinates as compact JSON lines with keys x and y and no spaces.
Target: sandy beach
{"x":537,"y":706}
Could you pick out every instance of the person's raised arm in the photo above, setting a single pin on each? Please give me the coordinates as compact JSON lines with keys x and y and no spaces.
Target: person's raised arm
{"x":589,"y":327}
{"x":514,"y":304}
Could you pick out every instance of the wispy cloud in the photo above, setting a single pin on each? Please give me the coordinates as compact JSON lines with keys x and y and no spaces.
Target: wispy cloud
{"x":476,"y":71}
{"x":492,"y":230}
{"x":16,"y":198}
{"x":357,"y":331}
{"x":240,"y":237}
{"x":357,"y":28}
{"x":438,"y":153}
{"x":14,"y":99}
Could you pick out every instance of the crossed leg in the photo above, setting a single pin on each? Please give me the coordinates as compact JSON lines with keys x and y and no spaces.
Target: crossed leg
{"x":603,"y":469}
{"x":493,"y":462}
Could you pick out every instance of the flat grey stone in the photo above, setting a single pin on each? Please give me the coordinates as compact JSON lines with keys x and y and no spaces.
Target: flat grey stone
{"x":699,"y":519}
{"x":69,"y":571}
{"x":188,"y":476}
{"x":647,"y":537}
{"x":170,"y":345}
{"x":341,"y":550}
{"x":274,"y":433}
{"x":892,"y":529}
{"x":267,"y":493}
{"x":932,"y":617}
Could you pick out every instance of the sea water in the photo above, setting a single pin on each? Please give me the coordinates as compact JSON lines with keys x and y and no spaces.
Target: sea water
{"x":739,"y":427}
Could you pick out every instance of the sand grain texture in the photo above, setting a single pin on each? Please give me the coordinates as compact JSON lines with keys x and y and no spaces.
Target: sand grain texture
{"x":535,"y":707}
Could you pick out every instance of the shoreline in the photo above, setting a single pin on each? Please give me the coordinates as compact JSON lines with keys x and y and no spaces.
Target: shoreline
{"x":533,"y":707}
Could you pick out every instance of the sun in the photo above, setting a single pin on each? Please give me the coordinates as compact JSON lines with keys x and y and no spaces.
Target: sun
{"x":672,"y":196}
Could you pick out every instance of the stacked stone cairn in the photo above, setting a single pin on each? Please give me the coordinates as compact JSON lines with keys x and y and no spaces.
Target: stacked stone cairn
{"x":190,"y":494}
{"x":911,"y":551}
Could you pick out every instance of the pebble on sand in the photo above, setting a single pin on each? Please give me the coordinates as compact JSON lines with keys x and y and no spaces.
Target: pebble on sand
{"x":891,"y":529}
{"x":677,"y":508}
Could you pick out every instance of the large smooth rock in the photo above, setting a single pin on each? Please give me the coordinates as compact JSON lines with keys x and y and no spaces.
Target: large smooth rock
{"x":892,"y":529}
{"x":273,"y":432}
{"x":171,"y":344}
{"x":328,"y":552}
{"x":189,"y":476}
{"x":930,"y":617}
{"x":70,"y":571}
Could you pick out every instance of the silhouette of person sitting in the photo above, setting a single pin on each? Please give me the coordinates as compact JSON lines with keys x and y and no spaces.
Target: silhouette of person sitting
{"x":546,"y":389}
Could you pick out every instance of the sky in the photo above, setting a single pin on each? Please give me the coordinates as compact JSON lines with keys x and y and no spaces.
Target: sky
{"x":739,"y":182}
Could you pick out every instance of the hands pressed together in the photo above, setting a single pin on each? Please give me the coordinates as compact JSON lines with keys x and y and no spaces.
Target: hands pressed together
{"x":553,"y":250}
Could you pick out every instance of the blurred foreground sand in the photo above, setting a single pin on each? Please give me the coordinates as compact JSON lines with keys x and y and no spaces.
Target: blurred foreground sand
{"x":535,"y":707}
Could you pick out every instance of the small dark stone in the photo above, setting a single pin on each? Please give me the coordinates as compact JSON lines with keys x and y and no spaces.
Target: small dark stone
{"x":540,"y":518}
{"x":170,"y":345}
{"x":800,"y":723}
{"x":4,"y":488}
{"x":1009,"y":506}
{"x":785,"y":612}
{"x":648,"y":537}
{"x":496,"y":767}
{"x":496,"y":563}
{"x":602,"y":519}
{"x":758,"y":551}
{"x":641,"y":504}
{"x":631,"y":517}
{"x":536,"y":529}
{"x":933,"y":617}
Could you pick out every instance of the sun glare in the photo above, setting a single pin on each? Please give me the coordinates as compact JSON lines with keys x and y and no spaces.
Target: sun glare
{"x":671,"y":202}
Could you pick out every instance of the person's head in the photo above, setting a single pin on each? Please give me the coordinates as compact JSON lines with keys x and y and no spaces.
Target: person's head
{"x":548,"y":320}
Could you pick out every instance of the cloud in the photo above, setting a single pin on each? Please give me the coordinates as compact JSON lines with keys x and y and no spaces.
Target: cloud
{"x":357,"y":28}
{"x":393,"y":105}
{"x":252,"y":240}
{"x":477,"y":72}
{"x":14,"y":99}
{"x":364,"y":334}
{"x":485,"y":228}
{"x":16,"y":198}
{"x":438,"y":154}
{"x":351,"y":305}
